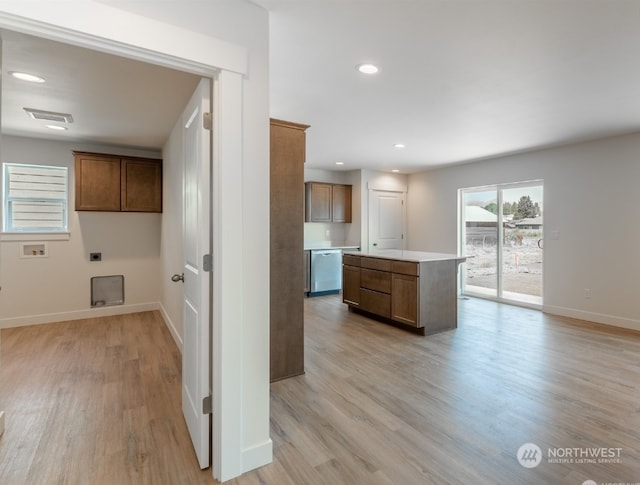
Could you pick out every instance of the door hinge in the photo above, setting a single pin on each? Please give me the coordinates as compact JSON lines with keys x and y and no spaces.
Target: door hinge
{"x":207,"y":262}
{"x":206,"y":405}
{"x":207,"y":121}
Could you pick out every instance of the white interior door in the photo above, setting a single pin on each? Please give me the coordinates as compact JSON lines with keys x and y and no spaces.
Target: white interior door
{"x":386,"y":220}
{"x":196,"y":381}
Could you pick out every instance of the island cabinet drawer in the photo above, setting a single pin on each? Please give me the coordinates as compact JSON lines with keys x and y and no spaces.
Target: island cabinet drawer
{"x":350,"y":260}
{"x":376,"y":263}
{"x":375,"y":302}
{"x":405,"y":267}
{"x":375,"y":280}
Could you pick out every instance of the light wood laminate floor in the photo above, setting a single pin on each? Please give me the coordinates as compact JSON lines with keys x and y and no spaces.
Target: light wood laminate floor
{"x":98,"y":401}
{"x":94,"y":401}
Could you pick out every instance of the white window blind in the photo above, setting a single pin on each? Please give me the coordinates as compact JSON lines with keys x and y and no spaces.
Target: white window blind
{"x":35,"y":198}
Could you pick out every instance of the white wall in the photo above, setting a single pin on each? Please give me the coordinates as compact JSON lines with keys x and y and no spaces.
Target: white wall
{"x":353,"y":231}
{"x":171,"y":254}
{"x":361,"y":181}
{"x":373,"y":179}
{"x":328,"y":233}
{"x":57,"y":287}
{"x":590,"y":198}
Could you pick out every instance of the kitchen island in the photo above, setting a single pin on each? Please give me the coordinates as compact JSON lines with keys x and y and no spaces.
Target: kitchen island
{"x":414,"y":289}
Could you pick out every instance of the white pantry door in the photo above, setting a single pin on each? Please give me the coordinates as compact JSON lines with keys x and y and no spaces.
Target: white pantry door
{"x":386,"y":220}
{"x":196,"y":381}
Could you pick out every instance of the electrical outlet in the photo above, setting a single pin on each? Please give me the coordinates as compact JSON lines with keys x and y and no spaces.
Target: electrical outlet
{"x":587,"y":293}
{"x":95,"y":256}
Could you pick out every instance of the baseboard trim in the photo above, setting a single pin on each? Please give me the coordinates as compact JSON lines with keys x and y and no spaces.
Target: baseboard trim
{"x":77,"y":314}
{"x":611,"y":320}
{"x":172,"y":328}
{"x":257,"y":456}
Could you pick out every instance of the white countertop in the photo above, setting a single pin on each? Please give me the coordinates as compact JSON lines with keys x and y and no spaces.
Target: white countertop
{"x":403,"y":255}
{"x":329,"y":245}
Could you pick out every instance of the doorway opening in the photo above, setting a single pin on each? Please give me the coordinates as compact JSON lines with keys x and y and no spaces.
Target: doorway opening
{"x":112,"y":50}
{"x":501,"y":234}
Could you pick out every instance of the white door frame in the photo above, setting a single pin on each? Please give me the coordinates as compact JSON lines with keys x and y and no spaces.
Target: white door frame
{"x":99,"y":27}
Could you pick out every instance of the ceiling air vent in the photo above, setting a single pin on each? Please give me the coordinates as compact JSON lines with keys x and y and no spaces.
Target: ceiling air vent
{"x":38,"y":114}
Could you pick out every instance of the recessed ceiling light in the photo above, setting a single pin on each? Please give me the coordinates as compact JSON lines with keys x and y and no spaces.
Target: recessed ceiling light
{"x":395,"y":170}
{"x":56,"y":127}
{"x":339,"y":163}
{"x":367,"y":68}
{"x":399,"y":145}
{"x":25,"y":76}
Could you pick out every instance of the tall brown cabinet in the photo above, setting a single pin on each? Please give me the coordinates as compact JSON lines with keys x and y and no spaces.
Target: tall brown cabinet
{"x":287,"y":245}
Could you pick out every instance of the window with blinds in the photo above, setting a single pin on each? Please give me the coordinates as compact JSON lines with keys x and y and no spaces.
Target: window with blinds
{"x":35,"y":198}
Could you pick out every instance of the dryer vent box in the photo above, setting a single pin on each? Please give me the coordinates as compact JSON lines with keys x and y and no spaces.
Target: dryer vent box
{"x":107,"y":290}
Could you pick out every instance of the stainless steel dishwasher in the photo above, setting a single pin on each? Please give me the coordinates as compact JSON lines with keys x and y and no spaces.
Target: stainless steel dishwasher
{"x":326,"y":271}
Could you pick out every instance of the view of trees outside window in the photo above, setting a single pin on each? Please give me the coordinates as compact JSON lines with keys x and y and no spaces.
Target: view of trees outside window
{"x":504,"y":247}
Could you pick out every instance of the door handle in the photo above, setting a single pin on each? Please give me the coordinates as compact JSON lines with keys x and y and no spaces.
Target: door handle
{"x":177,"y":277}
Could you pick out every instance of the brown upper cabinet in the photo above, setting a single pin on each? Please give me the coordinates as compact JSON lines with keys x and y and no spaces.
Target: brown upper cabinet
{"x":326,"y":202}
{"x":117,"y":184}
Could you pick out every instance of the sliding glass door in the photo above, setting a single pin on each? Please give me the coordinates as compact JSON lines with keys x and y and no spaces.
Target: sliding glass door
{"x":501,"y":233}
{"x":480,"y":234}
{"x":521,"y":261}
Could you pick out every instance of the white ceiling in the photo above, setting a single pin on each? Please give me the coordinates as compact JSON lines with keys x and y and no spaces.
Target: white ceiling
{"x":113,"y":100}
{"x":458,"y":80}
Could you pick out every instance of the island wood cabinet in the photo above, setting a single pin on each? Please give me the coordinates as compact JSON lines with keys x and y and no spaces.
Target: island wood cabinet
{"x":404,"y":299}
{"x":351,"y":280}
{"x":326,"y":202}
{"x":117,"y":184}
{"x":422,"y":295}
{"x":286,"y":244}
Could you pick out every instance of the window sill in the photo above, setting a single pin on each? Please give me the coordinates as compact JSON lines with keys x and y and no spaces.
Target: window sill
{"x":35,"y":236}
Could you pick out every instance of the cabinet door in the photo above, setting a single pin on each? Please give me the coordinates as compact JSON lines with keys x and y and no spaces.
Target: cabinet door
{"x":318,"y":202}
{"x":341,"y":203}
{"x":97,"y":181}
{"x":404,"y":299}
{"x":141,"y":186}
{"x":351,"y":285}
